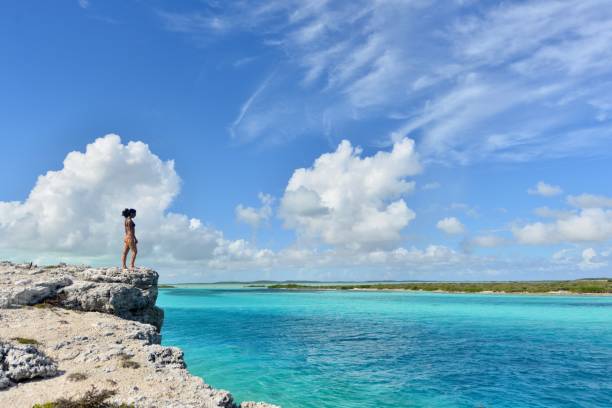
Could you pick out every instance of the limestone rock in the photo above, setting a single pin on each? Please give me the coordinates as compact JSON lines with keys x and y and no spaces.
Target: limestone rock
{"x":4,"y":381}
{"x":23,"y":362}
{"x":221,"y":398}
{"x":127,"y":294}
{"x":101,"y":322}
{"x":27,"y":292}
{"x":166,"y":356}
{"x":147,"y":333}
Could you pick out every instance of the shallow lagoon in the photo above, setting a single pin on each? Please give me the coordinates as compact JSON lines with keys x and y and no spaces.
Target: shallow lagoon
{"x":397,"y":349}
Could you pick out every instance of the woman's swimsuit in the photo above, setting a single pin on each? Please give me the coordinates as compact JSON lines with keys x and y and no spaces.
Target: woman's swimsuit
{"x":130,"y":239}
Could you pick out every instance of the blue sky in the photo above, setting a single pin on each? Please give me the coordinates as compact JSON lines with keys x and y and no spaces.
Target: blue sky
{"x":508,"y":105}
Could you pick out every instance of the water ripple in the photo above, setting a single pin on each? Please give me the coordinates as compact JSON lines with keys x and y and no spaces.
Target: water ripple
{"x":348,"y":349}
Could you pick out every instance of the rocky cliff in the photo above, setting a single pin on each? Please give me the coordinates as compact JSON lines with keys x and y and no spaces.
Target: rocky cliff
{"x":130,"y":295}
{"x":65,"y":329}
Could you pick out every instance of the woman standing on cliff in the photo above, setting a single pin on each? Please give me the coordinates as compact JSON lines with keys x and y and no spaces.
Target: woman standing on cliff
{"x":130,"y":237}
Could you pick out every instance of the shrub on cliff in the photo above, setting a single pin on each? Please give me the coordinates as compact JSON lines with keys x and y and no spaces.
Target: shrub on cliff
{"x":93,"y":398}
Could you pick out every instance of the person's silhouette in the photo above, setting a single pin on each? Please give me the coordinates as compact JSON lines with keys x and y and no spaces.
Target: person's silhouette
{"x":130,"y":237}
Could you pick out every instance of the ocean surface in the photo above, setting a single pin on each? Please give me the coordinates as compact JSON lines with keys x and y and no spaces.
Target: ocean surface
{"x":394,"y":349}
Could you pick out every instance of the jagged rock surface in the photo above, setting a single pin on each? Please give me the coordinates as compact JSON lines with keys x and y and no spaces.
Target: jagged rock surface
{"x":165,"y":356}
{"x":127,"y":294}
{"x":23,"y":362}
{"x":112,"y":352}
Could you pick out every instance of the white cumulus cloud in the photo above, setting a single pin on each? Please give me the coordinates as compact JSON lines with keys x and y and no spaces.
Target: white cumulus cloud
{"x":255,"y":216}
{"x":74,"y":215}
{"x":545,"y":190}
{"x":75,"y":212}
{"x":351,"y":206}
{"x":590,"y":224}
{"x":450,"y":225}
{"x":589,"y":260}
{"x":347,"y":200}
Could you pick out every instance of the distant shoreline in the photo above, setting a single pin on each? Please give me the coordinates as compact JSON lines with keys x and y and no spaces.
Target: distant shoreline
{"x":447,"y":292}
{"x":586,"y":287}
{"x":599,"y":287}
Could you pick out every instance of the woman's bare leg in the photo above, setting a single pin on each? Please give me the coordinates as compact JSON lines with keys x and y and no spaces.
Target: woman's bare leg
{"x":126,"y":248}
{"x":134,"y":253}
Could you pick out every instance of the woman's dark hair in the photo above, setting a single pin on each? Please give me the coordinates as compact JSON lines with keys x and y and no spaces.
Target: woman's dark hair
{"x":132,"y":212}
{"x":126,"y":212}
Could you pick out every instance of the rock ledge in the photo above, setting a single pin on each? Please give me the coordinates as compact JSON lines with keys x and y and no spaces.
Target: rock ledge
{"x":127,"y":294}
{"x":92,"y":326}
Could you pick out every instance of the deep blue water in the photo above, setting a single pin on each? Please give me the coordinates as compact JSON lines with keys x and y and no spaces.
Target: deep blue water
{"x":390,"y":349}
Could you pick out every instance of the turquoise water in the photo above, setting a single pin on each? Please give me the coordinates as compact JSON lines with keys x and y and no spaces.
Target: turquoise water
{"x":393,"y":349}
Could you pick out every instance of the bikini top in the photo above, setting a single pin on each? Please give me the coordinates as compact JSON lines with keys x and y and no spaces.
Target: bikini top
{"x":127,"y":225}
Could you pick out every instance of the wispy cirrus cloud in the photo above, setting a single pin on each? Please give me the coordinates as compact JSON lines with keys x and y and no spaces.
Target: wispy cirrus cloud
{"x":513,"y":82}
{"x":250,"y":126}
{"x":193,"y":22}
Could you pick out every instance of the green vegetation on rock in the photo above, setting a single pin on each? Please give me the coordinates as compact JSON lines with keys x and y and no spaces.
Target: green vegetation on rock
{"x":24,"y":340}
{"x":76,"y":377}
{"x":127,"y":362}
{"x":93,"y":398}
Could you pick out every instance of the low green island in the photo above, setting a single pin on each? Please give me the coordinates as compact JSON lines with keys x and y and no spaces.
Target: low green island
{"x":580,"y":286}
